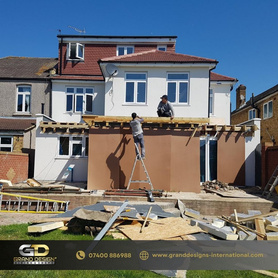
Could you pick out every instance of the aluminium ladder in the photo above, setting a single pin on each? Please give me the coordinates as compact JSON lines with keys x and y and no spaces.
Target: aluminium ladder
{"x":273,"y":181}
{"x":139,"y":158}
{"x":28,"y":204}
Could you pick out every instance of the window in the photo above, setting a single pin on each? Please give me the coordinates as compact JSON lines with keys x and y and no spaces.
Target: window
{"x":73,"y":146}
{"x":23,"y":98}
{"x":211,"y":102}
{"x":75,"y":51}
{"x":6,"y":143}
{"x":268,"y":112}
{"x":177,"y":87}
{"x":162,"y":47}
{"x":79,"y":100}
{"x":136,"y":88}
{"x":124,"y":50}
{"x":251,"y":114}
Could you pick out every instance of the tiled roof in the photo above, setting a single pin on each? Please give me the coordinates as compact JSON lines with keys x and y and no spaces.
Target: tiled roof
{"x":219,"y":77}
{"x":157,"y":56}
{"x":267,"y":93}
{"x":16,"y":124}
{"x":78,"y":77}
{"x":29,"y":68}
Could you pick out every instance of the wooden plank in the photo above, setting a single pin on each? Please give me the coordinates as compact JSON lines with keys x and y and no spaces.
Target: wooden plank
{"x":271,"y":228}
{"x":272,"y":236}
{"x":267,"y":273}
{"x":160,"y":229}
{"x":259,"y":224}
{"x":258,"y":216}
{"x":44,"y":227}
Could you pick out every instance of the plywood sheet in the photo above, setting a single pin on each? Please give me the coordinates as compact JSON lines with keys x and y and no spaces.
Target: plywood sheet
{"x":160,"y":229}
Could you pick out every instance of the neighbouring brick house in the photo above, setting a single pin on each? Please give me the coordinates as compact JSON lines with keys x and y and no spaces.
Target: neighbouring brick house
{"x":17,"y":148}
{"x":263,"y":106}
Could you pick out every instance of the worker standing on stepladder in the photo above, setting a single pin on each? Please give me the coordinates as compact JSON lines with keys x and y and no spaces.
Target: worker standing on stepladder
{"x":137,"y":134}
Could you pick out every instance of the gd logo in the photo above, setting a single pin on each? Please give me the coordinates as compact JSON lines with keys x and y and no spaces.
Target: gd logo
{"x":39,"y":250}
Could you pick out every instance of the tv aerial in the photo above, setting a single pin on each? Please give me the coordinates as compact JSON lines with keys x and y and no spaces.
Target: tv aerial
{"x":77,"y":30}
{"x":112,"y":70}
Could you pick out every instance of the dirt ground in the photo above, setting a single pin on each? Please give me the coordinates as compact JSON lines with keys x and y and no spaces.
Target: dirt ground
{"x":8,"y":218}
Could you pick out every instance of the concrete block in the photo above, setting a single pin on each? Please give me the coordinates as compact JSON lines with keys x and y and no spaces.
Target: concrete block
{"x":271,"y":220}
{"x":271,"y":228}
{"x":219,"y":232}
{"x":229,"y":229}
{"x":244,"y":236}
{"x":219,"y":223}
{"x":254,"y":212}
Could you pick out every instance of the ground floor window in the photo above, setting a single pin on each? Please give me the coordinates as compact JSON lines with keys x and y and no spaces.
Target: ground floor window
{"x":208,"y":158}
{"x":6,"y":143}
{"x":73,"y":146}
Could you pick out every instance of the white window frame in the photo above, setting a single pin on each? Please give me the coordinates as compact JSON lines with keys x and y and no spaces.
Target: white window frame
{"x":162,"y":46}
{"x":267,"y":115}
{"x":72,"y":141}
{"x":78,"y":46}
{"x":136,"y":82}
{"x":6,"y":145}
{"x":75,"y":94}
{"x":24,"y":94}
{"x":178,"y":82}
{"x":125,"y":47}
{"x":251,"y":114}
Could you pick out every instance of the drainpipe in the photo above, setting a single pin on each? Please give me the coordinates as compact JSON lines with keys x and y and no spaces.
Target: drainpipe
{"x":255,"y":106}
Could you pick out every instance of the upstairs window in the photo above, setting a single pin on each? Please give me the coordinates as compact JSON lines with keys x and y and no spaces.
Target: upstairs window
{"x":6,"y":143}
{"x":124,"y":50}
{"x":79,"y":100}
{"x":251,"y":114}
{"x":23,"y":99}
{"x":73,"y":146}
{"x":268,"y":111}
{"x":75,"y":51}
{"x":162,"y":47}
{"x":177,"y":87}
{"x":136,"y":87}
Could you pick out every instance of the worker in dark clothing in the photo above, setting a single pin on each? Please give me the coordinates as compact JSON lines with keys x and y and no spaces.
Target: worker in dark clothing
{"x":165,"y":108}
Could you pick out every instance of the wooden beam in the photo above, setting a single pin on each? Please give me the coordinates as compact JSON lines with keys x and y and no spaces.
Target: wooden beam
{"x":44,"y":227}
{"x":259,"y":224}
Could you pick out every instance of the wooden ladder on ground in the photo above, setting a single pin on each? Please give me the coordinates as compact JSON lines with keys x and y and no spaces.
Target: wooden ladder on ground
{"x":138,"y":158}
{"x":270,"y":186}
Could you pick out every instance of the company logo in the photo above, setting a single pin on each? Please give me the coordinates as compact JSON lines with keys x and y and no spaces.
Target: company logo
{"x":34,"y":254}
{"x":144,"y":255}
{"x":39,"y":250}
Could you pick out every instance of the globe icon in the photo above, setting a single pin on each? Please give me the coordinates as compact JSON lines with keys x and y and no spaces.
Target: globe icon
{"x":144,"y":255}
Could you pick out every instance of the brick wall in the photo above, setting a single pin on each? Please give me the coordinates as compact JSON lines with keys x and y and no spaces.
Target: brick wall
{"x":269,"y":161}
{"x":13,"y":166}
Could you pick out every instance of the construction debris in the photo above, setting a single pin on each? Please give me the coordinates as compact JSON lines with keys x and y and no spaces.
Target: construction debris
{"x":45,"y":227}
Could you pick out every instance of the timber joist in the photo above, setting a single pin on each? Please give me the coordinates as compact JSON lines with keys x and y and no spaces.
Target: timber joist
{"x":190,"y":124}
{"x":64,"y":127}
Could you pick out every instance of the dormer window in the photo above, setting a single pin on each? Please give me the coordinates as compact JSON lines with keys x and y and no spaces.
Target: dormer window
{"x":124,"y":50}
{"x":162,"y":47}
{"x":75,"y":51}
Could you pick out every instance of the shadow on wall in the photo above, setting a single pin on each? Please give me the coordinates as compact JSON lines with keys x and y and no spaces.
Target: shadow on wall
{"x":117,"y":175}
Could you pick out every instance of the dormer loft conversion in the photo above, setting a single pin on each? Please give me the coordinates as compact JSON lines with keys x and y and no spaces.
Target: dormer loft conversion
{"x":75,"y":51}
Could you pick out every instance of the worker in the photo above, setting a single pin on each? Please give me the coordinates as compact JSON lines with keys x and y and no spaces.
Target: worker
{"x":137,"y":134}
{"x":165,"y":108}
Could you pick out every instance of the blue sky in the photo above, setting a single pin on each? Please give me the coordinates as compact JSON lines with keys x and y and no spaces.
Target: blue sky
{"x":240,"y":34}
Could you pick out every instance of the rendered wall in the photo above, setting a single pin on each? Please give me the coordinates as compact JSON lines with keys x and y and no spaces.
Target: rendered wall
{"x":172,"y":160}
{"x":231,"y":158}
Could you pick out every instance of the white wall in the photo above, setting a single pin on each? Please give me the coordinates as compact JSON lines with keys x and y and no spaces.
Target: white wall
{"x":156,"y":87}
{"x":221,"y":105}
{"x":59,"y":89}
{"x":49,"y":166}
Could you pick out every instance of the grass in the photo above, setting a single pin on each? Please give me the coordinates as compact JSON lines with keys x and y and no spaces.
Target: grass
{"x":19,"y":232}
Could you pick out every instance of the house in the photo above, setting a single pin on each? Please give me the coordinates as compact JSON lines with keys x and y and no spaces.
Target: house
{"x":25,"y":89}
{"x":101,"y":80}
{"x":264,"y":107}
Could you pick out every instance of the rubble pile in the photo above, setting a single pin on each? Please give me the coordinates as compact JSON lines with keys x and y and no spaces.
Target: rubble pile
{"x":217,"y":185}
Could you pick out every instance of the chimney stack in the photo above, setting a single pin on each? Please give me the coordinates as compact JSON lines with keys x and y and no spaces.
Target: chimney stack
{"x":240,"y":96}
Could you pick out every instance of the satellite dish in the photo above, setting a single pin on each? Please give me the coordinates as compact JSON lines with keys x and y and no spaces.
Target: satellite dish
{"x":112,"y":70}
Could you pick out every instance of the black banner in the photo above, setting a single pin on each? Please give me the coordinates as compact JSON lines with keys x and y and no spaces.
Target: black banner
{"x":138,"y":255}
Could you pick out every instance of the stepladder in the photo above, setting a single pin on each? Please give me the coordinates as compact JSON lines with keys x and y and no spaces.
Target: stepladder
{"x":139,"y":159}
{"x":272,"y":183}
